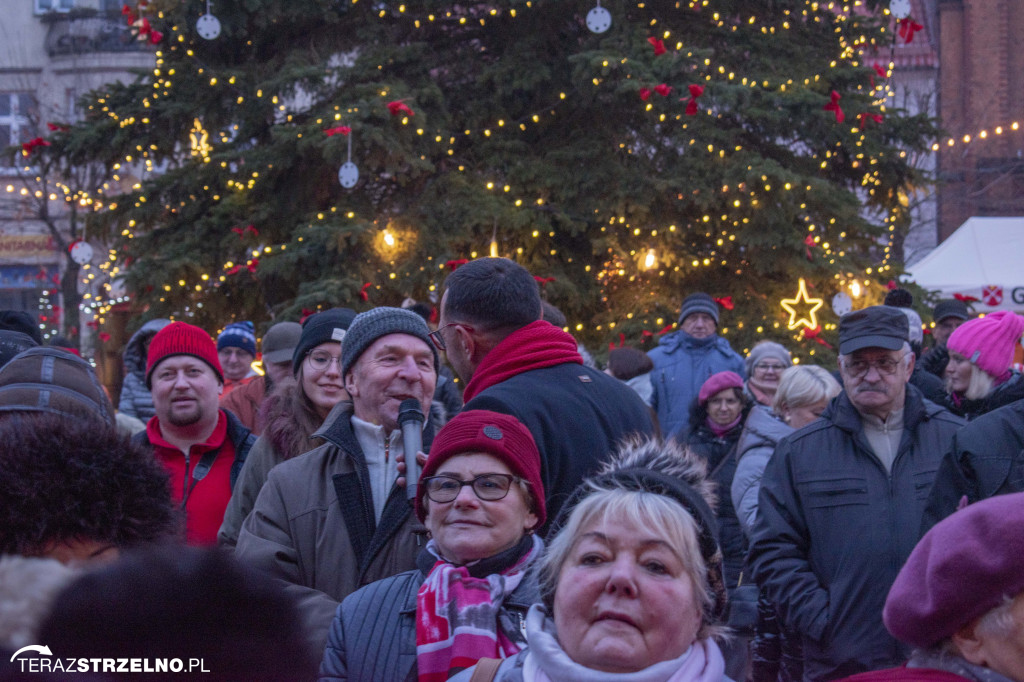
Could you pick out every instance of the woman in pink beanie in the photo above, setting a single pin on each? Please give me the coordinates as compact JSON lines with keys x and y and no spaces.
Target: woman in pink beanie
{"x":979,"y":377}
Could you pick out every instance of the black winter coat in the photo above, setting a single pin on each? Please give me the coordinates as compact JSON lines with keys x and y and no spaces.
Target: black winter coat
{"x":834,"y":527}
{"x":1005,"y":393}
{"x":986,"y":459}
{"x":577,"y":416}
{"x":373,"y":635}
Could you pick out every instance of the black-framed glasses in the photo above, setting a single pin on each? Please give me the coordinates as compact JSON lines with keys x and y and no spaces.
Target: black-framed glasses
{"x":320,"y":360}
{"x":859,"y":368}
{"x":489,"y":487}
{"x":438,"y":340}
{"x":769,"y":367}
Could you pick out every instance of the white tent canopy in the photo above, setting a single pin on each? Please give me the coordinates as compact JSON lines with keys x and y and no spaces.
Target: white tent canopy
{"x":984,"y":259}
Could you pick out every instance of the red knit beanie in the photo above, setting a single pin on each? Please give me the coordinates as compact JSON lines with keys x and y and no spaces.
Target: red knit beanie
{"x":498,"y":435}
{"x":988,"y":342}
{"x":719,"y":382}
{"x":179,"y":338}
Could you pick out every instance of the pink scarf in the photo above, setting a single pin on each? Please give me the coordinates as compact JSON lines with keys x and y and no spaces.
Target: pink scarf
{"x":457,"y":617}
{"x":537,"y":345}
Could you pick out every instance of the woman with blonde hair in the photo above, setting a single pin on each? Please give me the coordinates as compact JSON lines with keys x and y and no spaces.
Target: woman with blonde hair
{"x":979,"y":376}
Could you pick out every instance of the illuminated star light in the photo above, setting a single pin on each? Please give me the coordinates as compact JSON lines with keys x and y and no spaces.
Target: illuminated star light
{"x":807,"y":319}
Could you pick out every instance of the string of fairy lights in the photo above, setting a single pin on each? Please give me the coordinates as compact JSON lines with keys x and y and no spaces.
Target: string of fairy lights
{"x":744,"y":197}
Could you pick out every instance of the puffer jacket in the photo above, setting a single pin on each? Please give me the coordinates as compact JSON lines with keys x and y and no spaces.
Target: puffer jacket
{"x":834,"y":527}
{"x":681,"y":366}
{"x":314,"y":528}
{"x":136,"y":400}
{"x":373,"y":635}
{"x":986,"y":459}
{"x":761,"y":433}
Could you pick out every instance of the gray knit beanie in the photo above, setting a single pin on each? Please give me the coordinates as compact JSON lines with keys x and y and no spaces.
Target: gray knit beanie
{"x":699,"y":303}
{"x":378,"y":322}
{"x":768,"y":349}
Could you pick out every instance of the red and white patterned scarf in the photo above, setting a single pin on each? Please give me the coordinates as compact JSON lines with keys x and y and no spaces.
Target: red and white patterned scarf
{"x":457,"y":617}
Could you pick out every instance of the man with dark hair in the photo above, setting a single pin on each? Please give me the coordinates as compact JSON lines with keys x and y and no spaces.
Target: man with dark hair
{"x":73,"y":489}
{"x":842,"y":499}
{"x":183,"y":603}
{"x":517,"y":364}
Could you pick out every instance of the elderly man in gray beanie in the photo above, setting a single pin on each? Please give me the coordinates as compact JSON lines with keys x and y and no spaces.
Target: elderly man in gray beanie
{"x":685,"y":359}
{"x":333,"y":519}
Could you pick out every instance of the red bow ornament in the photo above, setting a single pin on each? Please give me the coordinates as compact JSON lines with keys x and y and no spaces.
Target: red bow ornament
{"x":833,"y":105}
{"x":645,"y":93}
{"x":725,"y":302}
{"x":907,"y":28}
{"x":864,"y":116}
{"x":306,"y":312}
{"x":104,"y":337}
{"x":342,"y":130}
{"x":453,"y":265}
{"x":813,"y":335}
{"x":808,"y":243}
{"x":966,"y":299}
{"x":399,"y":107}
{"x":543,"y":281}
{"x":663,"y":89}
{"x":253,"y":264}
{"x":28,"y":147}
{"x":658,"y":45}
{"x":363,"y":294}
{"x":54,"y":127}
{"x":695,"y":92}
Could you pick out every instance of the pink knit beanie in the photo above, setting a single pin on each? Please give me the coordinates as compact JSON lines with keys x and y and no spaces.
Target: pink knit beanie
{"x":988,"y":342}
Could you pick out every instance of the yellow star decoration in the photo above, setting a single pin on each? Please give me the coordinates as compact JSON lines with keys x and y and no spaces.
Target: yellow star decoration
{"x":806,"y":319}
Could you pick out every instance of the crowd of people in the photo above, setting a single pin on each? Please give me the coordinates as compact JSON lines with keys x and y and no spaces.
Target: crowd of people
{"x":354,"y":512}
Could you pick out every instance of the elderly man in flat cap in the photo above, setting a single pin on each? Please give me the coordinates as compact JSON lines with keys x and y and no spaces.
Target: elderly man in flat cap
{"x":959,"y":599}
{"x":842,"y":499}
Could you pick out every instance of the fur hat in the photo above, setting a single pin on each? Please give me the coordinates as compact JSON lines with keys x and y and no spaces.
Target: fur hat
{"x":988,"y":342}
{"x":46,"y":379}
{"x":180,"y":338}
{"x":498,"y":435}
{"x":369,"y":326}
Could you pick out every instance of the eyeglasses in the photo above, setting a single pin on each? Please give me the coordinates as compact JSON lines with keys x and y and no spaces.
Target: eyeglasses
{"x":858,"y":368}
{"x":770,"y":367}
{"x":490,"y":487}
{"x":438,"y":340}
{"x":320,"y":360}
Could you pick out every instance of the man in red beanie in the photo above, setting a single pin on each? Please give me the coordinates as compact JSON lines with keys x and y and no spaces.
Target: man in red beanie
{"x":202,"y":446}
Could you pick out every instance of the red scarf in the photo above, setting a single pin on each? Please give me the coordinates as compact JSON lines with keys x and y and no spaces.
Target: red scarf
{"x":537,"y":345}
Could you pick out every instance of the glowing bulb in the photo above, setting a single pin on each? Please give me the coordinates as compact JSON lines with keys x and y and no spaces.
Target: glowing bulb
{"x":650,"y":259}
{"x":389,"y":238}
{"x":855,"y":288}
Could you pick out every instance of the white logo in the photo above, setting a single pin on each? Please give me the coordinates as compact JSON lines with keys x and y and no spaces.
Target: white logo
{"x":45,"y":650}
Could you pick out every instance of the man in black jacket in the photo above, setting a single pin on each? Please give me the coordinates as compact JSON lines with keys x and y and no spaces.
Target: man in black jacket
{"x":515,"y":363}
{"x":842,"y":498}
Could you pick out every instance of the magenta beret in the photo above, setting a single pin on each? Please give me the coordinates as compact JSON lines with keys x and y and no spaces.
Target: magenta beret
{"x":719,"y":382}
{"x":960,"y":570}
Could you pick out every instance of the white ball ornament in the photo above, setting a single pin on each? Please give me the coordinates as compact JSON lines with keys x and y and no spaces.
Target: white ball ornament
{"x":842,"y":303}
{"x":900,"y":8}
{"x":348,"y":175}
{"x":599,"y":19}
{"x":81,"y":252}
{"x":208,"y":26}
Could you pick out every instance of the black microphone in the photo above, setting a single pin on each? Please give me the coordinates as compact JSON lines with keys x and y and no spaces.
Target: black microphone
{"x":410,"y":418}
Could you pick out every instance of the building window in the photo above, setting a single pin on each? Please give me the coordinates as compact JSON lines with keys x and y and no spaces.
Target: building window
{"x":16,"y":109}
{"x":43,"y":6}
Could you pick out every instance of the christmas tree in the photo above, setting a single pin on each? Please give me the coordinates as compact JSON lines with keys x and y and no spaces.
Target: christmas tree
{"x":289,"y":156}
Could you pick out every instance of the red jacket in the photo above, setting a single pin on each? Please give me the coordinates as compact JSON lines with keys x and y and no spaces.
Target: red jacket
{"x":905,"y":674}
{"x":207,"y":498}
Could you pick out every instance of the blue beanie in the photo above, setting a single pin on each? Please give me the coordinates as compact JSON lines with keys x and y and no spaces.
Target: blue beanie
{"x":238,"y":335}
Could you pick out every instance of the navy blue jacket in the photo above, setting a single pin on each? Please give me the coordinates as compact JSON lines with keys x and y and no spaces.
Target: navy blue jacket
{"x":834,"y":527}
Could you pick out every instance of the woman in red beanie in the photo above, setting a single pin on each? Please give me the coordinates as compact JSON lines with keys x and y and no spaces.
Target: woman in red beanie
{"x":480,"y":497}
{"x":979,"y":377}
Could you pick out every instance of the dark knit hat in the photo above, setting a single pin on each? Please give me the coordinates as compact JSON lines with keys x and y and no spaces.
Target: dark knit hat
{"x":699,"y":303}
{"x":960,"y":570}
{"x":12,"y":343}
{"x":238,"y":335}
{"x":951,"y":308}
{"x":20,"y":321}
{"x":877,"y":326}
{"x":278,"y":344}
{"x":327,"y":325}
{"x":181,"y":338}
{"x":378,"y":322}
{"x":988,"y":342}
{"x":499,"y":435}
{"x":899,"y":298}
{"x":719,"y":382}
{"x":47,"y":379}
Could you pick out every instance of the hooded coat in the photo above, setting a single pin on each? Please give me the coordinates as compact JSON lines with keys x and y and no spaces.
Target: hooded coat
{"x":136,"y":400}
